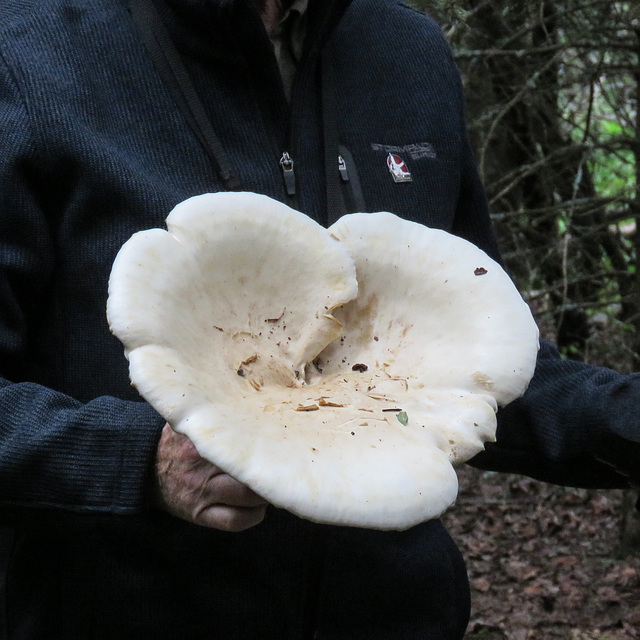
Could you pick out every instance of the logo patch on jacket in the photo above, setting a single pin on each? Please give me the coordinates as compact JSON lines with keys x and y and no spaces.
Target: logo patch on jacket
{"x":416,"y":150}
{"x":398,"y":168}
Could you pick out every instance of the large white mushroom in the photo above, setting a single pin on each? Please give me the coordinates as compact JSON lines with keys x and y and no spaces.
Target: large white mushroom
{"x":339,"y":373}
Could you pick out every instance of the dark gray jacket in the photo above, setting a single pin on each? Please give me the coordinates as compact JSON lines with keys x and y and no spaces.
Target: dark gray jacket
{"x":94,"y":148}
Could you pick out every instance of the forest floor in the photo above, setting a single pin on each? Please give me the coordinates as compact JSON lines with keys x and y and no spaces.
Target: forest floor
{"x":543,"y":561}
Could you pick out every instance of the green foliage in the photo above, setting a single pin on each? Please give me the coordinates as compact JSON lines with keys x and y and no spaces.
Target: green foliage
{"x":613,"y":164}
{"x":552,"y":102}
{"x":613,"y":173}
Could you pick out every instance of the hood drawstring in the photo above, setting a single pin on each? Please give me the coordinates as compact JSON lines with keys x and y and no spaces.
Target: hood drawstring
{"x":169,"y":65}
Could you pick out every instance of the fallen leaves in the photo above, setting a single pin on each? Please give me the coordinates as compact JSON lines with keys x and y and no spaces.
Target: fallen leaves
{"x":542,"y":561}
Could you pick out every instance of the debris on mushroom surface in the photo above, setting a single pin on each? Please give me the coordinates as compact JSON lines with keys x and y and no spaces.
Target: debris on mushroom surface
{"x":339,"y":373}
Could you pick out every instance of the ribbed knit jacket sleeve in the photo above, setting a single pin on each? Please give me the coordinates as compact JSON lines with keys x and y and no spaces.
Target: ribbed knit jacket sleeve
{"x":55,"y":452}
{"x":576,"y":424}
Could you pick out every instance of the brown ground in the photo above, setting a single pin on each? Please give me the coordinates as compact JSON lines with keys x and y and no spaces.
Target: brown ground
{"x":543,"y":561}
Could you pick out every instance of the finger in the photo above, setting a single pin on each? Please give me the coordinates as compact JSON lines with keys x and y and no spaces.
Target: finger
{"x":230,"y":519}
{"x":221,"y":488}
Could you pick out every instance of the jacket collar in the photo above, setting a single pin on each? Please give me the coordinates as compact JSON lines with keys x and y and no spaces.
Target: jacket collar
{"x":232,"y":29}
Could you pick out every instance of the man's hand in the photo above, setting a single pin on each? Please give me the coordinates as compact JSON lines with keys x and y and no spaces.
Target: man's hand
{"x":195,"y":490}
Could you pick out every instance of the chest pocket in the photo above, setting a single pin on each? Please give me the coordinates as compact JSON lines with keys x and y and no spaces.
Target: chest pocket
{"x":413,"y":182}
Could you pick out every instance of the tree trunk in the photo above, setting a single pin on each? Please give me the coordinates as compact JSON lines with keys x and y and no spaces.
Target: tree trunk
{"x":630,"y":525}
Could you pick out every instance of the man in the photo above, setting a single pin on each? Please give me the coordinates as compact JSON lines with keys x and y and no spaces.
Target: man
{"x":111,"y":112}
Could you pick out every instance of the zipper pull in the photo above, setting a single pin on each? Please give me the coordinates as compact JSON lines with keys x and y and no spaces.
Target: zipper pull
{"x":286,"y":163}
{"x":342,"y":168}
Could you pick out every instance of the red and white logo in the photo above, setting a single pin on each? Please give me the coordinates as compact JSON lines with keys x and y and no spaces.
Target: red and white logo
{"x":398,"y":168}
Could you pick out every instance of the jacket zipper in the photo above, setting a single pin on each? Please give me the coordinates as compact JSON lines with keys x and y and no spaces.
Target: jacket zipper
{"x":288,"y":173}
{"x":353,"y":200}
{"x":342,"y":169}
{"x":351,"y":191}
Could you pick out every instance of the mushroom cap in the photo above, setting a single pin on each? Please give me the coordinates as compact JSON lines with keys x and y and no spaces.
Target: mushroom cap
{"x":339,"y":373}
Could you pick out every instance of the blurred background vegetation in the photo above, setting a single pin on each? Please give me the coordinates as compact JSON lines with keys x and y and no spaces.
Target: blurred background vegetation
{"x":552,"y":97}
{"x":552,"y":90}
